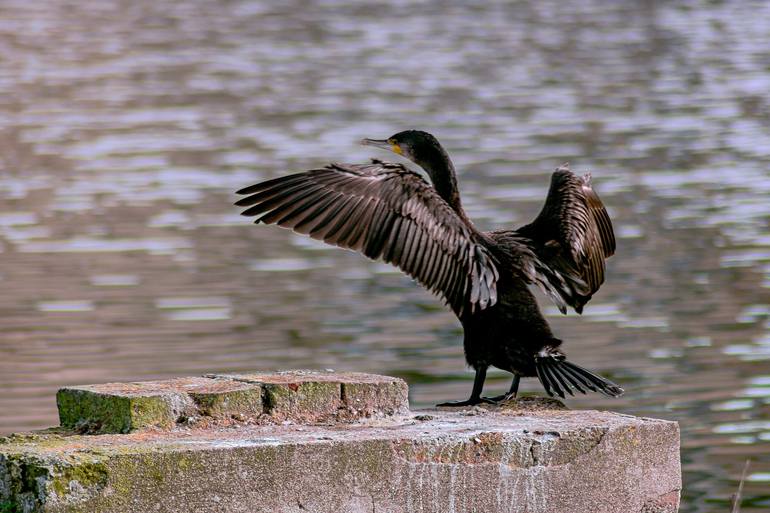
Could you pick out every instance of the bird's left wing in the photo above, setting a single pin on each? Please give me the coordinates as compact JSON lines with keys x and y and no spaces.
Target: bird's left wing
{"x":388,"y":212}
{"x":574,"y":233}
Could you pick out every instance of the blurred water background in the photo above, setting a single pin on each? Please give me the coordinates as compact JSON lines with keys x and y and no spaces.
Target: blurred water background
{"x":125,"y":127}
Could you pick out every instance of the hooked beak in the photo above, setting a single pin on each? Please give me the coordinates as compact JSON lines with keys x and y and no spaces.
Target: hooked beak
{"x":385,"y":144}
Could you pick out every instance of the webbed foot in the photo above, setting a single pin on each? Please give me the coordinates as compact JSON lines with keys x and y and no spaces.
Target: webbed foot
{"x":499,"y":398}
{"x":468,"y":402}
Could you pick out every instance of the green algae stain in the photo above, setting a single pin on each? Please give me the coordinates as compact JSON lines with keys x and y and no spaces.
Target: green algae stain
{"x":301,"y":398}
{"x":124,"y":478}
{"x":96,"y":413}
{"x":150,"y":411}
{"x":90,"y":474}
{"x":247,"y":402}
{"x":88,"y":412}
{"x":23,"y":482}
{"x":150,"y":475}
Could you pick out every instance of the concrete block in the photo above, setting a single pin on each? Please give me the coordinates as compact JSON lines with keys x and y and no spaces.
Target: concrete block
{"x":294,"y":396}
{"x":488,"y":460}
{"x":313,"y":396}
{"x":367,"y":394}
{"x":126,"y":407}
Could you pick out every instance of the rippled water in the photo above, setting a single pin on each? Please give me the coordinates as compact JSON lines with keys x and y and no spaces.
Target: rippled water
{"x":125,"y":127}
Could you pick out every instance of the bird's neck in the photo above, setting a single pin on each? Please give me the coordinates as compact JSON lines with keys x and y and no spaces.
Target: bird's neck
{"x":442,"y":173}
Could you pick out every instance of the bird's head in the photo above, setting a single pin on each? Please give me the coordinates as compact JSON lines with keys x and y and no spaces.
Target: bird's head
{"x":418,"y":146}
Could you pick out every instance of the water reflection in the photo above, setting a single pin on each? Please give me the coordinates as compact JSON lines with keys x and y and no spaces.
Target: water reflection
{"x":125,"y":135}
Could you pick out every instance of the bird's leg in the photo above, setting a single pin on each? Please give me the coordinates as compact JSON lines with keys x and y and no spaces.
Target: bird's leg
{"x":514,"y":387}
{"x":475,"y":398}
{"x":511,"y":394}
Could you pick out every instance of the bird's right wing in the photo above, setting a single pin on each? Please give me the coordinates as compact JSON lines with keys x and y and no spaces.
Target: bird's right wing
{"x":388,"y":212}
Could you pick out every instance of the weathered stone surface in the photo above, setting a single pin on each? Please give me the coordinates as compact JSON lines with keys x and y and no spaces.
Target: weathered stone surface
{"x":295,"y":396}
{"x":308,"y":396}
{"x":474,"y":460}
{"x":126,"y":407}
{"x":299,"y":396}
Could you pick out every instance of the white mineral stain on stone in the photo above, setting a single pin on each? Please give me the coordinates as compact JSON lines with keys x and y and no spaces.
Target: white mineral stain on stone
{"x":533,"y":487}
{"x":230,"y":444}
{"x":247,"y":443}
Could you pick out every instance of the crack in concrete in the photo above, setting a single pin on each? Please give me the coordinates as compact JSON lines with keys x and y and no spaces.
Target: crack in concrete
{"x":532,"y":450}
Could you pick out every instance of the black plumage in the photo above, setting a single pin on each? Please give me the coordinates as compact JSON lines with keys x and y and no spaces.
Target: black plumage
{"x":389,"y":212}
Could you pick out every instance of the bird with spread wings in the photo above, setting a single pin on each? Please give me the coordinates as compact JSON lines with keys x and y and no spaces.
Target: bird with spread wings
{"x":391,"y":213}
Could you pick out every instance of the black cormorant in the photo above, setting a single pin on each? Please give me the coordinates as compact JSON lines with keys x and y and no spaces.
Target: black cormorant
{"x":389,"y":212}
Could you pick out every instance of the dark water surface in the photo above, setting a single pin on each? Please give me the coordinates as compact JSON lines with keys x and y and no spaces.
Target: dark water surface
{"x":126,"y":125}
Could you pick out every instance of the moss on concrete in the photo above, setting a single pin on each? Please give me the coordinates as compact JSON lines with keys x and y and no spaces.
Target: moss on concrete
{"x":81,"y":475}
{"x":298,"y":396}
{"x":152,"y":411}
{"x":24,"y":479}
{"x":467,"y":460}
{"x":91,"y":412}
{"x":246,"y":402}
{"x":301,"y":401}
{"x":150,"y":478}
{"x":477,"y":459}
{"x":88,"y":412}
{"x":32,"y":477}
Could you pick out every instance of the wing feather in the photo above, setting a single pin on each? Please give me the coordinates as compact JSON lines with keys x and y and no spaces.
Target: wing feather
{"x":410,"y":244}
{"x":384,"y":211}
{"x":573,"y":237}
{"x":326,"y":219}
{"x":314,"y":216}
{"x":341,"y":220}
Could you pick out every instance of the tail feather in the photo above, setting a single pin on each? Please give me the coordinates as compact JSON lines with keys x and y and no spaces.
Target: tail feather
{"x":576,"y":382}
{"x":543,"y":379}
{"x":546,"y":379}
{"x":559,"y":376}
{"x":576,"y":377}
{"x":555,"y":381}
